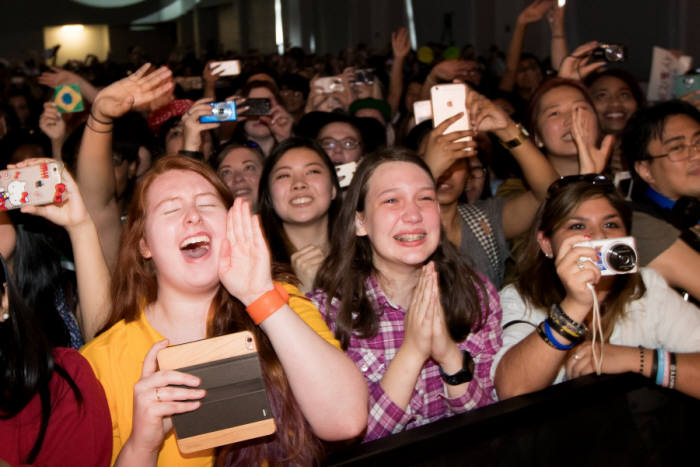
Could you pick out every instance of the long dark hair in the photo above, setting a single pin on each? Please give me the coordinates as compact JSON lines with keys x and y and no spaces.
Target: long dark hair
{"x":271,"y":222}
{"x":135,"y":284}
{"x":40,"y":251}
{"x":537,"y":280}
{"x":26,"y":362}
{"x":349,"y":263}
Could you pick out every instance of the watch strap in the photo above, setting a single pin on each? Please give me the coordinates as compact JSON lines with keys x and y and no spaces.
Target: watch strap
{"x":462,"y":376}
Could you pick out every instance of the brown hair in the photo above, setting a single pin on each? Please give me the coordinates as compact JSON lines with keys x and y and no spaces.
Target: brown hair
{"x":135,"y":285}
{"x":533,"y":108}
{"x":349,"y":263}
{"x":537,"y":280}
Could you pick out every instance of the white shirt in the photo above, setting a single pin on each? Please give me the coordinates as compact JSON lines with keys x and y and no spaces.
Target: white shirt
{"x":659,"y":319}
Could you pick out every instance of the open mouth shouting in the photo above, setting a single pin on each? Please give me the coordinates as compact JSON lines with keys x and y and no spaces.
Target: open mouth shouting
{"x":196,"y":246}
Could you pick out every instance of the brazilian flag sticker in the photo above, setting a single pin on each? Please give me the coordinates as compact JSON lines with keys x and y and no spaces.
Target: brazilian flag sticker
{"x":68,"y":99}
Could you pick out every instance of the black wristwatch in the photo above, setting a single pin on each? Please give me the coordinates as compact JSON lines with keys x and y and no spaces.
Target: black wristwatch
{"x":462,"y":376}
{"x":518,"y":140}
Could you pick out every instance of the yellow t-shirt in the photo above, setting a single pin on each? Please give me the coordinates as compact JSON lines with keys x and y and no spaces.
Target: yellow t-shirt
{"x":117,"y":355}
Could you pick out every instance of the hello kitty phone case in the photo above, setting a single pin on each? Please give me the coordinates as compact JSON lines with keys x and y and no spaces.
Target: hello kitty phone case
{"x":37,"y":184}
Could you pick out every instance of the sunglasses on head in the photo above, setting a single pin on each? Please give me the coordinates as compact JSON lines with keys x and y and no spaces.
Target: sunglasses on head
{"x":592,"y":179}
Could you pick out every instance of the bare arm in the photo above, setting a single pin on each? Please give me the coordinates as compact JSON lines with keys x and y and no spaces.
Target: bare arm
{"x":532,"y":13}
{"x":401,"y":46}
{"x":93,"y":276}
{"x":679,"y":265}
{"x":558,"y":48}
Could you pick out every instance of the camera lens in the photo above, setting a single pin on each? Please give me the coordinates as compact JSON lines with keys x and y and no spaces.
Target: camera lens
{"x":622,"y":257}
{"x":221,"y":111}
{"x":614,"y":53}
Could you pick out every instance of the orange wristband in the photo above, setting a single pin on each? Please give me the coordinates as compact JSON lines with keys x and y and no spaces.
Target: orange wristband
{"x":268,"y":303}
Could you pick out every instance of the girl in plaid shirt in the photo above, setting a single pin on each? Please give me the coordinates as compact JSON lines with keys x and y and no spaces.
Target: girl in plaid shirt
{"x":418,"y":322}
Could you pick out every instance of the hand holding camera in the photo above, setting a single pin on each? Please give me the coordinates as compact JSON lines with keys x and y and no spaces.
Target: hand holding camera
{"x":202,"y":116}
{"x":581,"y":62}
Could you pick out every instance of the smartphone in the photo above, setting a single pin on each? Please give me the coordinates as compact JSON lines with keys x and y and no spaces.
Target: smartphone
{"x":36,"y":185}
{"x":220,"y":112}
{"x":685,"y":84}
{"x":345,"y":173}
{"x":257,"y":106}
{"x":422,"y":111}
{"x":236,"y":406}
{"x":227,"y":68}
{"x":329,"y":84}
{"x":448,"y":100}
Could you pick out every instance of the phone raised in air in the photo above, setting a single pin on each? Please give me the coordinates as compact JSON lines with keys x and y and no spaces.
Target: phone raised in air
{"x":226,"y":68}
{"x":257,"y":106}
{"x":34,"y":185}
{"x":448,"y":100}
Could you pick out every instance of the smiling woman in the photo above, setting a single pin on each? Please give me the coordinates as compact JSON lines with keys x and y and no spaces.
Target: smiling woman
{"x":298,"y":201}
{"x":177,"y":280}
{"x":419,"y":323}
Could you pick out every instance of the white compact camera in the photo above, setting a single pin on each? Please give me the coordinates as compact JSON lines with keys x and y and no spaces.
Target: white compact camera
{"x":614,"y":255}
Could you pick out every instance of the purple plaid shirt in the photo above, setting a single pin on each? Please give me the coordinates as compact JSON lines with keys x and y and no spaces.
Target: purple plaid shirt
{"x":429,"y":401}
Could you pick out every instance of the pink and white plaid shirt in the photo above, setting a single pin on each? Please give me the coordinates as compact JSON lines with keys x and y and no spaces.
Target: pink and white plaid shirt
{"x":429,"y":401}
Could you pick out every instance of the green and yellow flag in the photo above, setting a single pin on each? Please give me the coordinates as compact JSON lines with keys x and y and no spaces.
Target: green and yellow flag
{"x":68,"y":99}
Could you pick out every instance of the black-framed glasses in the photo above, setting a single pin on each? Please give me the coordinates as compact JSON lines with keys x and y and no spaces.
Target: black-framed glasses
{"x":593,"y":179}
{"x":679,"y":153}
{"x":330,"y":144}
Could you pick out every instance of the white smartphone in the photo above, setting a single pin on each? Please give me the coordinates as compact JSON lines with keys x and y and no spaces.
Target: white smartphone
{"x":448,"y":100}
{"x":422,"y":111}
{"x":227,"y":68}
{"x":345,"y":173}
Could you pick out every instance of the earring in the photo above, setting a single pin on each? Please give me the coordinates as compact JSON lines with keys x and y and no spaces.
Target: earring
{"x":4,"y":317}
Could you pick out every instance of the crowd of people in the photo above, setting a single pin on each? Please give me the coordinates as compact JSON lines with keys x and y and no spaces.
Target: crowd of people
{"x":392,"y":272}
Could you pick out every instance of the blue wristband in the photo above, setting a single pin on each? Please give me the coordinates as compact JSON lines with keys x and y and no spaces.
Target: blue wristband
{"x":660,"y":369}
{"x":558,"y":345}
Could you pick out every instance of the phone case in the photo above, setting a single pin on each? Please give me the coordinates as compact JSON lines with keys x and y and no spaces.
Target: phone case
{"x":257,"y":106}
{"x":685,"y":84}
{"x":448,"y":100}
{"x":36,"y":185}
{"x":236,"y":407}
{"x":228,"y":67}
{"x":422,"y":111}
{"x":345,"y":173}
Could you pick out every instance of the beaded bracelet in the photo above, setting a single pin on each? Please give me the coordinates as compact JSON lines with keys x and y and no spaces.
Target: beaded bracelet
{"x":545,"y":333}
{"x":641,"y":359}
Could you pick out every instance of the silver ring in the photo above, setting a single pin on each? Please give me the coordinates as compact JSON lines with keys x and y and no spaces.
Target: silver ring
{"x":158,"y":395}
{"x":579,"y":265}
{"x":576,"y":357}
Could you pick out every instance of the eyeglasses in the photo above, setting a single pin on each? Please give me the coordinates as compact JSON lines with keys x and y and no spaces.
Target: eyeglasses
{"x":330,"y":144}
{"x":680,"y":152}
{"x":593,"y":179}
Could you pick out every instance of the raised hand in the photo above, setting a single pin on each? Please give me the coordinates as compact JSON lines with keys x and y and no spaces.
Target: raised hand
{"x":156,"y":399}
{"x":534,"y":11}
{"x":51,"y":122}
{"x":209,"y":76}
{"x":137,"y":90}
{"x":71,"y":211}
{"x":193,"y":127}
{"x":244,"y":264}
{"x":484,"y":114}
{"x":576,"y":66}
{"x":305,"y":263}
{"x":591,"y":158}
{"x":400,"y":43}
{"x":448,"y":70}
{"x":443,"y":149}
{"x":279,"y":121}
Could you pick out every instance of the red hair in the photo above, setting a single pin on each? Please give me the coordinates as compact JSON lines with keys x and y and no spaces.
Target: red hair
{"x":135,"y":286}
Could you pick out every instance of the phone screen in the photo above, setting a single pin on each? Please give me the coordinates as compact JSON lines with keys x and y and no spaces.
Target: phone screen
{"x":257,"y":106}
